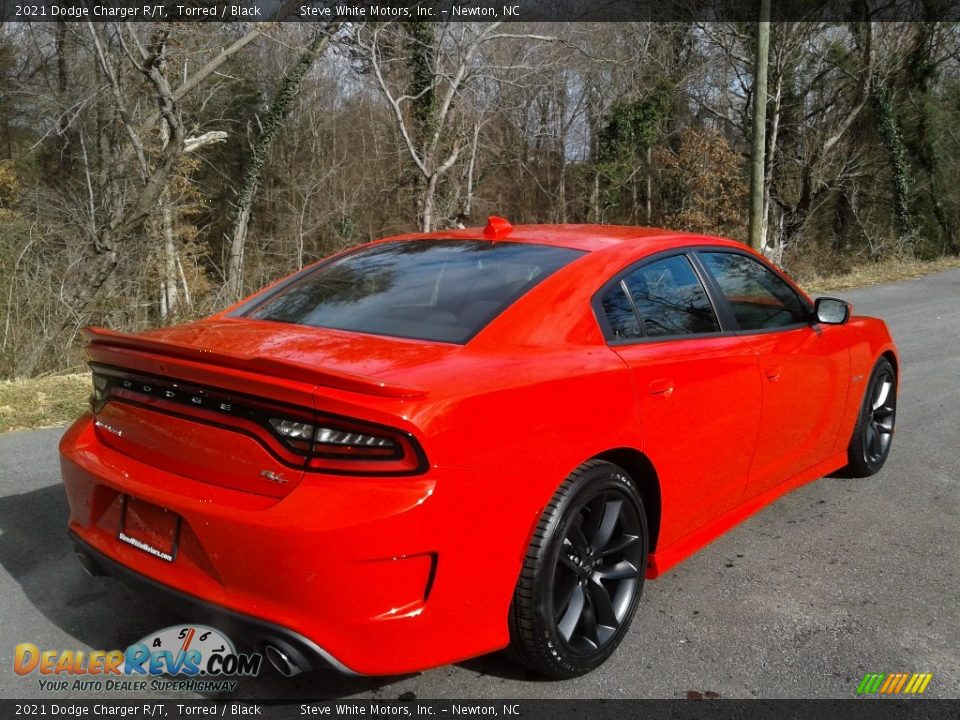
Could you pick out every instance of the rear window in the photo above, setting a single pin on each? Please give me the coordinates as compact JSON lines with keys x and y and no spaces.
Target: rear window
{"x":443,"y":290}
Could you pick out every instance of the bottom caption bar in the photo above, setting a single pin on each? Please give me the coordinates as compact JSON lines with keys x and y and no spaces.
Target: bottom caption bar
{"x":853,"y":709}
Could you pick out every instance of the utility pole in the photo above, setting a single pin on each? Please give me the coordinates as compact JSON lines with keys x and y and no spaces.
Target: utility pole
{"x":758,"y":138}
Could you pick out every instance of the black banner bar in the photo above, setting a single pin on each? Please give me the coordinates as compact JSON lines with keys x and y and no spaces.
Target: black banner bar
{"x":473,"y":10}
{"x":416,"y":709}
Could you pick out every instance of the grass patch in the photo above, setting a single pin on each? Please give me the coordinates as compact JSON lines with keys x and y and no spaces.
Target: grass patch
{"x":875,"y":273}
{"x":43,"y":402}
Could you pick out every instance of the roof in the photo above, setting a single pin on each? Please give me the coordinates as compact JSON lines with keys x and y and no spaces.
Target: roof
{"x":577,"y":237}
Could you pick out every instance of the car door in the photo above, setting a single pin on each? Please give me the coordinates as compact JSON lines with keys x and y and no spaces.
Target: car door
{"x":803,"y":367}
{"x":697,"y":388}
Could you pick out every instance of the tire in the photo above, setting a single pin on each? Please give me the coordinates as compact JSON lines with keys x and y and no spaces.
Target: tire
{"x":582,"y":575}
{"x":872,"y":435}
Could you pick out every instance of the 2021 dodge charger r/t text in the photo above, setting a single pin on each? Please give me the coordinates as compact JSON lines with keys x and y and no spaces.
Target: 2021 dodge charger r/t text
{"x":434,"y":446}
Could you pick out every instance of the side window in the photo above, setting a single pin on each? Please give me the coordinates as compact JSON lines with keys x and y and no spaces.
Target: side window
{"x":669,"y":301}
{"x":759,"y":299}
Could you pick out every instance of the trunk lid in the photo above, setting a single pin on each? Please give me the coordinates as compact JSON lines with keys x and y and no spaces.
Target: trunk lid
{"x":321,"y":356}
{"x":196,"y":399}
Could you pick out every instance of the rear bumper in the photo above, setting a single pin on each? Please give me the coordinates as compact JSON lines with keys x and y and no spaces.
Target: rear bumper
{"x":383,"y":575}
{"x":303,"y":654}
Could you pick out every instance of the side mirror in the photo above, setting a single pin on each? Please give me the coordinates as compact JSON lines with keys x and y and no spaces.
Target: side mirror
{"x":831,"y":311}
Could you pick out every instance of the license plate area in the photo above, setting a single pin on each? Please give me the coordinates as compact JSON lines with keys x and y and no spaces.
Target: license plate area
{"x":149,"y":527}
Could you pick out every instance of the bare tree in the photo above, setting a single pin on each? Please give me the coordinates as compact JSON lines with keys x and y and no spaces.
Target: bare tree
{"x":126,"y":214}
{"x":120,"y":196}
{"x":444,"y":68}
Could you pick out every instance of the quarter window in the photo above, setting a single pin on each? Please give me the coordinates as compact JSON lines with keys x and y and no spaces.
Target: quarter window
{"x":758,"y":297}
{"x":666,"y":299}
{"x":622,"y":318}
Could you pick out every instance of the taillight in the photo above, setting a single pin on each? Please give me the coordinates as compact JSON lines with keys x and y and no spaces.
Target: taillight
{"x":327,"y":439}
{"x":330,"y":438}
{"x":345,"y":445}
{"x":296,"y":435}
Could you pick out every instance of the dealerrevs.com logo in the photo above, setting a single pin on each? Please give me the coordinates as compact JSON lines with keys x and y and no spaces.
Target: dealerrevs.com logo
{"x":201,"y":654}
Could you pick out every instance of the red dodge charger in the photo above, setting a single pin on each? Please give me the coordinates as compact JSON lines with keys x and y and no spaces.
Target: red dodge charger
{"x":435,"y":446}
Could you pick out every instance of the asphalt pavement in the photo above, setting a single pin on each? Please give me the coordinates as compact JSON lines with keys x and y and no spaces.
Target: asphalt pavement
{"x":839,"y":578}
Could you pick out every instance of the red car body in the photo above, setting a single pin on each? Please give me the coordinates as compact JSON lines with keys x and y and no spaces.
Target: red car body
{"x":397,"y":571}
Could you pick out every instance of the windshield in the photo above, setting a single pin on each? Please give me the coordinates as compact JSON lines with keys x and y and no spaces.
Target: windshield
{"x":443,"y":290}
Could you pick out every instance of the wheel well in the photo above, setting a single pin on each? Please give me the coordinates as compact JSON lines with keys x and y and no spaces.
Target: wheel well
{"x":639,"y":467}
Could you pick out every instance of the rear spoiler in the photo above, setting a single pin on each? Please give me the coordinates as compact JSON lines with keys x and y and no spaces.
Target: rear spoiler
{"x":101,"y":341}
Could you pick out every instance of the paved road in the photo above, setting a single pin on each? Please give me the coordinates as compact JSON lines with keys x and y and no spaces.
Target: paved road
{"x":839,"y":578}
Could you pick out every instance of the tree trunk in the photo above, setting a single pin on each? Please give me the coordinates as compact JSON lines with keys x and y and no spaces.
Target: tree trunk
{"x":595,"y":198}
{"x":766,"y":243}
{"x":471,"y":169}
{"x":759,"y":127}
{"x":429,"y":198}
{"x":649,"y":198}
{"x":562,"y":191}
{"x":170,"y":299}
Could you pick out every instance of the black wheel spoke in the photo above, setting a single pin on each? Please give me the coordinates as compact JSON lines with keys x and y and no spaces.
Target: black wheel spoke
{"x":620,"y":545}
{"x":602,"y":604}
{"x":883,"y":428}
{"x":882,"y":413}
{"x":564,"y":595}
{"x":872,"y":440}
{"x":590,"y":633}
{"x":571,"y":617}
{"x":608,"y":523}
{"x":621,"y":571}
{"x":884,"y":388}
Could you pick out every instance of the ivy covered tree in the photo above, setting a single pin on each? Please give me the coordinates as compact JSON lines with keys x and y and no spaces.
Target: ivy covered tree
{"x":272,"y":122}
{"x":625,"y":142}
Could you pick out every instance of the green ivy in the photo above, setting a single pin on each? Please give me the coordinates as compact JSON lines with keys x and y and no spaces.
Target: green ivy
{"x":421,"y":61}
{"x":896,"y":152}
{"x":628,"y":130}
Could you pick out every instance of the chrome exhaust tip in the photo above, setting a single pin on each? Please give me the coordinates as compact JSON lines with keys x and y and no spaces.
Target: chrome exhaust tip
{"x":281,"y":662}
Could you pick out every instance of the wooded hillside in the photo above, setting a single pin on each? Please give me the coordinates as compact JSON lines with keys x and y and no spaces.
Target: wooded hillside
{"x":154,"y":174}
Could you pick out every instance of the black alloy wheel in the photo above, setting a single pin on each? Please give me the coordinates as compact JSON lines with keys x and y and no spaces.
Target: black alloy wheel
{"x":583,"y":574}
{"x":873,"y":434}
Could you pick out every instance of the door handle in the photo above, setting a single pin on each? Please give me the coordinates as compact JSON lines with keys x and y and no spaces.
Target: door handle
{"x":773,"y":373}
{"x":661,"y":388}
